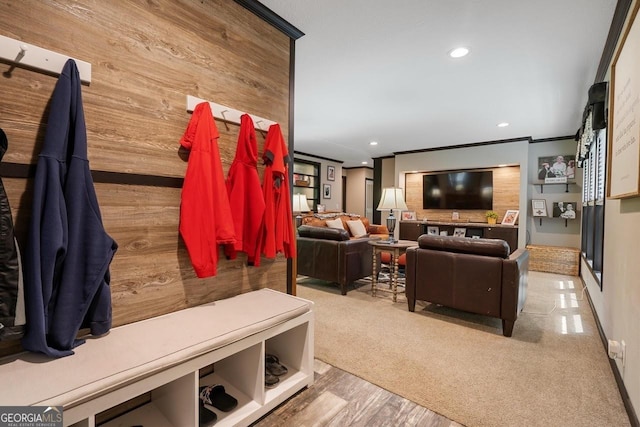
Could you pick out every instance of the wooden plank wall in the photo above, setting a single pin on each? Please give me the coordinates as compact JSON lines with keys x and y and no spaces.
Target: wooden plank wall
{"x":506,"y":195}
{"x":146,"y":56}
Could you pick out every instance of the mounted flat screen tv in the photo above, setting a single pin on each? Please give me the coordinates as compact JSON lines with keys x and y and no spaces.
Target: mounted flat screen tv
{"x":458,"y":190}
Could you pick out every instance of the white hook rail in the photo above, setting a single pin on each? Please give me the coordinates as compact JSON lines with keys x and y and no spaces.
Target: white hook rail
{"x":228,"y":114}
{"x":19,"y":53}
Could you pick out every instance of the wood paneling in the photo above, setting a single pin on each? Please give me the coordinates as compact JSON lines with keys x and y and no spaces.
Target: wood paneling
{"x":506,"y":195}
{"x":147,"y":56}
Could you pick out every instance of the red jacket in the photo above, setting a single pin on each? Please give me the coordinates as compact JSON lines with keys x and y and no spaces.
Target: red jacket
{"x":245,"y":195}
{"x":278,"y":218}
{"x":205,"y":214}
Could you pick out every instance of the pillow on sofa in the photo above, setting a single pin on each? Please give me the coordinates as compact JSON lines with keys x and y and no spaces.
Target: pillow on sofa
{"x":335,"y":223}
{"x":325,"y":233}
{"x":357,"y":228}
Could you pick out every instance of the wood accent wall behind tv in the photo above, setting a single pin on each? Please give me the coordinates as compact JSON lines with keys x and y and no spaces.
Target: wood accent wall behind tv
{"x":506,"y":195}
{"x":146,"y":57}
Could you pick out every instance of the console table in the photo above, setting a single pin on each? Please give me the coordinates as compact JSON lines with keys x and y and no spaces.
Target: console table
{"x":395,"y":249}
{"x":411,"y":230}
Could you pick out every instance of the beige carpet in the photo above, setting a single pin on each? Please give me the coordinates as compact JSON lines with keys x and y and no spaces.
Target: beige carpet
{"x":553,"y":371}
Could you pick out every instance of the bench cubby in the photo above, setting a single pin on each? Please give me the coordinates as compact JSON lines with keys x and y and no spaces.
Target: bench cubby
{"x":163,"y":361}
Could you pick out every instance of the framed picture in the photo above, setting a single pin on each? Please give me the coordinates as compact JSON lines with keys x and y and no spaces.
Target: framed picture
{"x":331,"y":173}
{"x":557,"y":168}
{"x":408,"y":216}
{"x":459,"y":232}
{"x":623,"y":153}
{"x":539,"y":207}
{"x":433,"y":230}
{"x":326,"y":191}
{"x":564,"y":210}
{"x":510,"y":217}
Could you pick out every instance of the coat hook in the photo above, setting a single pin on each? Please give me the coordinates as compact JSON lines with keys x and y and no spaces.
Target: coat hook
{"x":224,"y":119}
{"x":260,"y":127}
{"x":23,"y":51}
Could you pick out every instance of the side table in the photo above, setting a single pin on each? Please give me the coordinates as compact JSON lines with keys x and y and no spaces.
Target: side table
{"x":396,"y":249}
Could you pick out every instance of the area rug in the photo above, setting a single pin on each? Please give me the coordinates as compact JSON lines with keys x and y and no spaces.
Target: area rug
{"x":553,"y":371}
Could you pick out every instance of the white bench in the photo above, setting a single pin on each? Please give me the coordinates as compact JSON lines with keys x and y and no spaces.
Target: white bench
{"x":164,"y":356}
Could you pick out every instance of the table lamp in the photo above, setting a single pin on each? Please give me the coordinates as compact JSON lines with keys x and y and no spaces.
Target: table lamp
{"x":391,"y":199}
{"x":300,"y":204}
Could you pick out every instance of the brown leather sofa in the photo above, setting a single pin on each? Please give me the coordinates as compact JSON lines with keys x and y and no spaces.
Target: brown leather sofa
{"x":330,"y":254}
{"x":320,"y":220}
{"x":474,"y":275}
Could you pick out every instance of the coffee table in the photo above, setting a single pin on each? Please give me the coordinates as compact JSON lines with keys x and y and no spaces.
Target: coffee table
{"x":396,"y":249}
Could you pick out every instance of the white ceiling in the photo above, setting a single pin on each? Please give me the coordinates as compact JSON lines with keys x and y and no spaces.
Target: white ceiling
{"x":378,"y":70}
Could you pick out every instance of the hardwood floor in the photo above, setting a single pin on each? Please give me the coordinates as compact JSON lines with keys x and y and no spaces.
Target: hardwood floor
{"x":338,"y":398}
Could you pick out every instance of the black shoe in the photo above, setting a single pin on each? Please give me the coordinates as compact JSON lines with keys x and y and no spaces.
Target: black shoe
{"x":270,"y":380}
{"x":206,"y":416}
{"x":273,"y":365}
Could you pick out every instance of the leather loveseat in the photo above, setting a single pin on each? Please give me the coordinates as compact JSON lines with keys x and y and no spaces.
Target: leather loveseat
{"x":474,"y":275}
{"x":331,"y":254}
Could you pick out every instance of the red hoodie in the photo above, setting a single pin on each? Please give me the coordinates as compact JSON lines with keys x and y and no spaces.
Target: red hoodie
{"x":205,"y":214}
{"x":245,"y":195}
{"x":278,"y":219}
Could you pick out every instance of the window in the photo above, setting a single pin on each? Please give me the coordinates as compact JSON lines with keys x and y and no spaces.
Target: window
{"x":593,"y":197}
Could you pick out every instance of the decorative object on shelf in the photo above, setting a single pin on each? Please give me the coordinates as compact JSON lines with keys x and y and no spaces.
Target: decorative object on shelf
{"x":433,"y":230}
{"x":492,"y":216}
{"x":443,"y":233}
{"x":623,"y":154}
{"x":459,"y":232}
{"x":539,"y":208}
{"x":564,"y":210}
{"x":299,"y":205}
{"x":556,"y":169}
{"x":408,"y":215}
{"x":331,"y":173}
{"x":455,"y":216}
{"x":326,"y":191}
{"x":302,"y":183}
{"x":510,"y":217}
{"x":391,"y":199}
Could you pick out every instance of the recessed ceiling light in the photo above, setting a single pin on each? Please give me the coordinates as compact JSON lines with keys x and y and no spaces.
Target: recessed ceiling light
{"x":365,"y":163}
{"x":503,"y":125}
{"x":458,"y":52}
{"x":373,"y":143}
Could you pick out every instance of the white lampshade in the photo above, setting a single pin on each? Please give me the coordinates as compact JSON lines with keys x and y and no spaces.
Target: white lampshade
{"x":392,"y":198}
{"x":300,"y":203}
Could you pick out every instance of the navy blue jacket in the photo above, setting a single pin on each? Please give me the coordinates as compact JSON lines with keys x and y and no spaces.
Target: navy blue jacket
{"x":68,"y":252}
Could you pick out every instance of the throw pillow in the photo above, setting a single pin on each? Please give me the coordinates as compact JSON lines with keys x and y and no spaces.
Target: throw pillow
{"x":335,"y":223}
{"x":357,"y":228}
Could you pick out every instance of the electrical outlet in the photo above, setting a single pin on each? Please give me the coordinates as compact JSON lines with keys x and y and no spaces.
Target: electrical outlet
{"x":613,"y":349}
{"x":623,"y":350}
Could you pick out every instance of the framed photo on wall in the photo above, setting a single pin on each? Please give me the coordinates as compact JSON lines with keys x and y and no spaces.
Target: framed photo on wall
{"x":510,"y":217}
{"x":326,"y":191}
{"x":331,"y":173}
{"x":623,"y":153}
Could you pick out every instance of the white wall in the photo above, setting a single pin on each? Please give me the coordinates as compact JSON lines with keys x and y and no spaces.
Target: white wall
{"x":553,"y":231}
{"x":618,"y":304}
{"x":335,"y":203}
{"x":356,"y":189}
{"x":482,"y":156}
